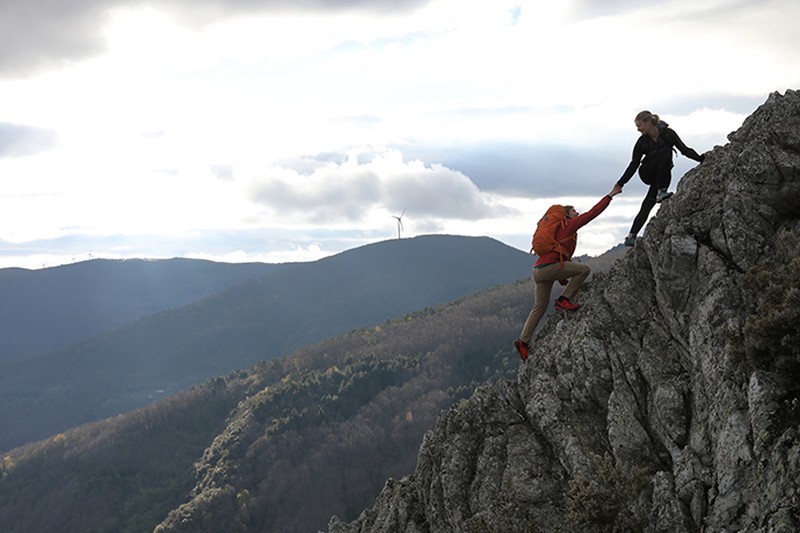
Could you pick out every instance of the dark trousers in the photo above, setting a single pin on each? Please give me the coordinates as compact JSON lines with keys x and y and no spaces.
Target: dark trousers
{"x":657,"y":173}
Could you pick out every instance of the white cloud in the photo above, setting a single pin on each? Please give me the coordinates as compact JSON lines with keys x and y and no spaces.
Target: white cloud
{"x":350,"y":192}
{"x":311,"y":252}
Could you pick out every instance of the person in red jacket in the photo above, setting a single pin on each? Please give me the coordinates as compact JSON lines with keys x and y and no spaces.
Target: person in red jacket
{"x":556,"y":266}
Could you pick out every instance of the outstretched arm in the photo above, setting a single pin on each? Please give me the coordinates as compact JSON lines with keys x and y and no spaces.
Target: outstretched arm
{"x":636,"y":158}
{"x":685,"y":150}
{"x":581,"y":220}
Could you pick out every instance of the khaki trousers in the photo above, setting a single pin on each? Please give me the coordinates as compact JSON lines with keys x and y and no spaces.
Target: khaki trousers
{"x":543,"y":279}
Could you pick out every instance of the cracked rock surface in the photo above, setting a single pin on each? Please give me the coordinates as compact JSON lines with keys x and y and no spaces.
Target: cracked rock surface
{"x":639,"y":412}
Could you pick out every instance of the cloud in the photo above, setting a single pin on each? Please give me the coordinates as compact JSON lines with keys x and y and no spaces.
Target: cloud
{"x":42,"y":33}
{"x":701,"y":12}
{"x":17,"y":140}
{"x":532,"y":170}
{"x":741,"y":104}
{"x":249,"y":7}
{"x":350,"y":191}
{"x":223,"y":172}
{"x":38,"y":34}
{"x":589,"y":9}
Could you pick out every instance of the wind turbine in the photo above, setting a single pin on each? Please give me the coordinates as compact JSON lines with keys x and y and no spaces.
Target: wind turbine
{"x":399,"y":222}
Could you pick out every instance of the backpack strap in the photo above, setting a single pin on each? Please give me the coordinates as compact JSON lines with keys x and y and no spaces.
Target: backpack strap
{"x":560,"y":246}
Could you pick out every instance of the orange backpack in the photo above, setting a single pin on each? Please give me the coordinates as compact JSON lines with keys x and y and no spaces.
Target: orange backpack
{"x":544,"y":238}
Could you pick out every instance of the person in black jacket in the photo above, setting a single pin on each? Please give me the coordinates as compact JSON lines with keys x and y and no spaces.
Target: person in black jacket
{"x":656,"y":145}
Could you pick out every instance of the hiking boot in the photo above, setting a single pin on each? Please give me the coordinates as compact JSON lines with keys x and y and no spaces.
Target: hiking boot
{"x":630,"y":240}
{"x":563,"y":304}
{"x":522,"y":348}
{"x":662,"y":195}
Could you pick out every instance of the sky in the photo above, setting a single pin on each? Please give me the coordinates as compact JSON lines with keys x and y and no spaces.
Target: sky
{"x":278,"y":130}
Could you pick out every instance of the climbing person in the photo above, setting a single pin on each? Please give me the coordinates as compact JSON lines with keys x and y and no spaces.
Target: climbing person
{"x":557,"y":265}
{"x":656,"y":145}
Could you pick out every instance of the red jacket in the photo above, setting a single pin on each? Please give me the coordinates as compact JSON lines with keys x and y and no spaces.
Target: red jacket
{"x":567,"y":234}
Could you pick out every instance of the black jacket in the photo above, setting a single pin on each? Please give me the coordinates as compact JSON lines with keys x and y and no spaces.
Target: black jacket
{"x":647,"y":148}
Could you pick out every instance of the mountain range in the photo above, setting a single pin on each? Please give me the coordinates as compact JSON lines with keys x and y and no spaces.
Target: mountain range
{"x":280,"y":446}
{"x":46,"y":309}
{"x":261,"y":318}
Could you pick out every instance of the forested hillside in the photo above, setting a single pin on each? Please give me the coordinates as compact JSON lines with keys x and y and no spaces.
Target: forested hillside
{"x":310,"y":435}
{"x":138,"y":363}
{"x":46,"y":309}
{"x":279,"y":447}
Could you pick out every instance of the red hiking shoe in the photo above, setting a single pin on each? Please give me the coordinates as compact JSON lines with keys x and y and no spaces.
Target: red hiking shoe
{"x":522,"y":349}
{"x":563,"y":304}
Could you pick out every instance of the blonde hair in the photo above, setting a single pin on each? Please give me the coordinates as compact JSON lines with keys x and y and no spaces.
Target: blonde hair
{"x":647,"y":116}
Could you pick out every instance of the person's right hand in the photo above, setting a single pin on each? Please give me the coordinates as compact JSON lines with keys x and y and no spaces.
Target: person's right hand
{"x":616,"y":190}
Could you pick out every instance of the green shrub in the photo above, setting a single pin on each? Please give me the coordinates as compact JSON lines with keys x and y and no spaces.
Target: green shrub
{"x":771,"y":336}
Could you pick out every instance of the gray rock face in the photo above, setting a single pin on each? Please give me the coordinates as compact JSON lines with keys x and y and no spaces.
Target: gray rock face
{"x":641,"y":412}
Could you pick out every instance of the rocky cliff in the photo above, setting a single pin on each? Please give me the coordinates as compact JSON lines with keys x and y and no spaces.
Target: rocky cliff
{"x":669,"y":401}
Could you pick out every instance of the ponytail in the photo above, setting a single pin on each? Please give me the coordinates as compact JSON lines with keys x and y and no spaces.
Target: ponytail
{"x":647,"y":116}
